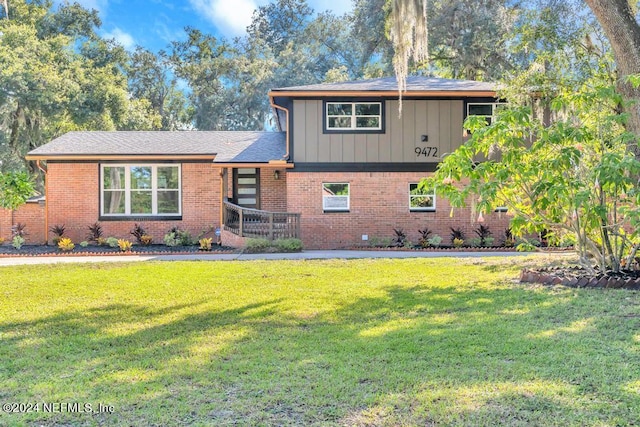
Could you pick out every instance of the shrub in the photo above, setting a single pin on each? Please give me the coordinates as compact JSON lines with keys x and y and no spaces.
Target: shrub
{"x":457,"y":243}
{"x":475,"y":242}
{"x":138,"y":232}
{"x":19,"y":230}
{"x":84,"y":244}
{"x":435,"y":240}
{"x":400,"y":237}
{"x":425,"y":233}
{"x":112,"y":242}
{"x":525,"y":246}
{"x":124,"y":245}
{"x":95,"y":233}
{"x":205,"y":244}
{"x":509,"y":239}
{"x":257,"y":245}
{"x":380,"y":242}
{"x":58,"y":231}
{"x":170,"y":239}
{"x":65,"y":244}
{"x":17,"y":242}
{"x":182,"y":237}
{"x":457,"y":234}
{"x":488,"y":241}
{"x":483,"y":233}
{"x":101,"y":241}
{"x":146,"y":240}
{"x":288,"y":245}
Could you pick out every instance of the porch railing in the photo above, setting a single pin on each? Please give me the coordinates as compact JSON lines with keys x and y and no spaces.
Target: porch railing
{"x":246,"y":222}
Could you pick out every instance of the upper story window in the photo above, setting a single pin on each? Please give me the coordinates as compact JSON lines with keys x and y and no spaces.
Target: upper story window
{"x":486,"y":109}
{"x":140,"y":190}
{"x":353,"y":116}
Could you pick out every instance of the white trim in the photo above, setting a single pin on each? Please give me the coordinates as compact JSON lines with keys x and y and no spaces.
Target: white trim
{"x":353,"y":116}
{"x":421,"y":209}
{"x":128,"y":190}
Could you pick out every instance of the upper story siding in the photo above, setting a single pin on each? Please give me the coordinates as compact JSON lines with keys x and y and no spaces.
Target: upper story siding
{"x":402,"y":140}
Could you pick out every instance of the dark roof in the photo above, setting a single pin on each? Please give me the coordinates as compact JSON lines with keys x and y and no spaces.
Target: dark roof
{"x":414,"y":84}
{"x":227,"y":146}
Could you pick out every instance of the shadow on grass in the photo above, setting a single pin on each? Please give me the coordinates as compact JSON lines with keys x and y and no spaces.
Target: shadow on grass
{"x":417,"y":355}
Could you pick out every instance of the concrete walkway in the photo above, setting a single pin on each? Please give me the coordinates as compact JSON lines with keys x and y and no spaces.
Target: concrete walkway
{"x":305,"y":255}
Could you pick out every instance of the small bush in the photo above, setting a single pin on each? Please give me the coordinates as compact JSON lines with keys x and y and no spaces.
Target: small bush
{"x":138,"y":232}
{"x":112,"y":242}
{"x":17,"y":242}
{"x":457,"y":234}
{"x":257,"y":245}
{"x":288,"y":245}
{"x":380,"y":242}
{"x":124,"y":245}
{"x":525,"y":247}
{"x":170,"y":239}
{"x":65,"y":244}
{"x":435,"y":240}
{"x":182,"y":238}
{"x":58,"y":231}
{"x":146,"y":240}
{"x":475,"y":242}
{"x":101,"y":241}
{"x":457,"y":243}
{"x":19,"y":230}
{"x":425,"y":233}
{"x":95,"y":233}
{"x":509,"y":238}
{"x":84,"y":244}
{"x":400,"y":238}
{"x":483,"y":233}
{"x":205,"y":244}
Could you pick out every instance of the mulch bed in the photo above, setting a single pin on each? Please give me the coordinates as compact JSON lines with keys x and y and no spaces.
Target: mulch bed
{"x":577,"y":277}
{"x":93,"y":250}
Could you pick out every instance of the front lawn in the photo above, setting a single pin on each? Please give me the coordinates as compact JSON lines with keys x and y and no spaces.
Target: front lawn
{"x":315,"y":343}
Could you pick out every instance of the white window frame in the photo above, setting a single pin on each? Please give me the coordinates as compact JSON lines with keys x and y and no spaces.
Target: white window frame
{"x":421,"y":209}
{"x":353,"y":116}
{"x":325,"y":198}
{"x":493,"y":109}
{"x":127,"y":189}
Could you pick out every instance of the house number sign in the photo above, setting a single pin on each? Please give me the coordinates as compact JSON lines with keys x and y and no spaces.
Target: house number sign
{"x":426,"y":151}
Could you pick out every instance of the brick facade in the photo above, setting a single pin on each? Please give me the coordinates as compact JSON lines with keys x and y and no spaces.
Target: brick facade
{"x":379,"y":202}
{"x":74,"y":200}
{"x":32,"y":215}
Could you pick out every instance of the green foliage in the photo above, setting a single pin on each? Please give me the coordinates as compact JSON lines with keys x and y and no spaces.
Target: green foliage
{"x":171,"y":239}
{"x":457,"y":234}
{"x":434,"y":240}
{"x":112,"y":242}
{"x":288,"y":245}
{"x":257,"y":245}
{"x":380,"y":242}
{"x":84,"y":244}
{"x":425,"y":234}
{"x":17,"y":242}
{"x":15,"y":189}
{"x":206,"y":243}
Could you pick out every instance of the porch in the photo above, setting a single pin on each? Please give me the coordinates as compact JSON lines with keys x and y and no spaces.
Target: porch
{"x":255,"y":223}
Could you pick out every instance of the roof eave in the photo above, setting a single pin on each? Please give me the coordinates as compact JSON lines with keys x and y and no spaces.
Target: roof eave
{"x":123,"y":157}
{"x":385,"y":93}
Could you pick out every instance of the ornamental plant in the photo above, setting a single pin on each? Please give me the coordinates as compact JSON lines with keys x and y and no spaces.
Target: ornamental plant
{"x":65,"y":244}
{"x":125,"y":245}
{"x":205,"y":243}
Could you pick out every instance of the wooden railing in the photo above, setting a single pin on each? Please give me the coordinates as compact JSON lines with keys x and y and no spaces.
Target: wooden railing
{"x":246,"y":222}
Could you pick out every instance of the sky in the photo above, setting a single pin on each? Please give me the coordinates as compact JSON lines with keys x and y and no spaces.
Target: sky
{"x":153,"y":24}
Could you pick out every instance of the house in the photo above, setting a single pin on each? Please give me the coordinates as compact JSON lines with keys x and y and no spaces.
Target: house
{"x":342,"y":169}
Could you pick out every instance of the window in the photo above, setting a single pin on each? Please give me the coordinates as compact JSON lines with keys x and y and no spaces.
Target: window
{"x":335,"y":197}
{"x":485,"y":109}
{"x":353,"y":116}
{"x":421,"y":200}
{"x":140,"y":190}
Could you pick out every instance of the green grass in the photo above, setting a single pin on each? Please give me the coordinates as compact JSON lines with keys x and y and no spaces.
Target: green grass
{"x":316,"y":343}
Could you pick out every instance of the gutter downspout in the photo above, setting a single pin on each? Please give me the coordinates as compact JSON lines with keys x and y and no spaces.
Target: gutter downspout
{"x":46,"y":201}
{"x":286,"y":111}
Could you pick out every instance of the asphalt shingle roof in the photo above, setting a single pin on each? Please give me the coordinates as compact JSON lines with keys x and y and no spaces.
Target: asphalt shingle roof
{"x":414,"y":84}
{"x":228,"y":146}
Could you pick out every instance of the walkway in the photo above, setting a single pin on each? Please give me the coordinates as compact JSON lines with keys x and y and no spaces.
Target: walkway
{"x":305,"y":255}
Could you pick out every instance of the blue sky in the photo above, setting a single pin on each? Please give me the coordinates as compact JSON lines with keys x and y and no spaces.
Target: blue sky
{"x":154,"y":23}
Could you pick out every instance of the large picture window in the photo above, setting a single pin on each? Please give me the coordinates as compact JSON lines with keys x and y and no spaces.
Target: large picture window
{"x":488,"y":110}
{"x":421,"y":200}
{"x":353,"y":116}
{"x":335,"y":197}
{"x":140,"y":190}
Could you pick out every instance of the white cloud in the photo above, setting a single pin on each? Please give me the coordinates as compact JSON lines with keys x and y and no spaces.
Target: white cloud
{"x":123,"y":38}
{"x":231,"y":17}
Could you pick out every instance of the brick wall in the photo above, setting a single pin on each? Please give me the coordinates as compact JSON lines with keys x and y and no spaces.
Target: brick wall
{"x":74,"y":200}
{"x":379,"y":202}
{"x":273,"y":192}
{"x":32,"y":215}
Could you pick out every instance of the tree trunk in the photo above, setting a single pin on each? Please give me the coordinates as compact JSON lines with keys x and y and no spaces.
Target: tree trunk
{"x":619,"y":24}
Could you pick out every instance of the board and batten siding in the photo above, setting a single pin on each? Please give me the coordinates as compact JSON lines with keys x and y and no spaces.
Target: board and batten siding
{"x":441,"y":120}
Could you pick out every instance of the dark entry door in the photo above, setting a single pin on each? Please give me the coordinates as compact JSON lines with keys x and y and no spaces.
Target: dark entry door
{"x":246,"y":187}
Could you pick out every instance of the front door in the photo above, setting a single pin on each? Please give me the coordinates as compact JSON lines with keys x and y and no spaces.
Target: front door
{"x":246,"y":187}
